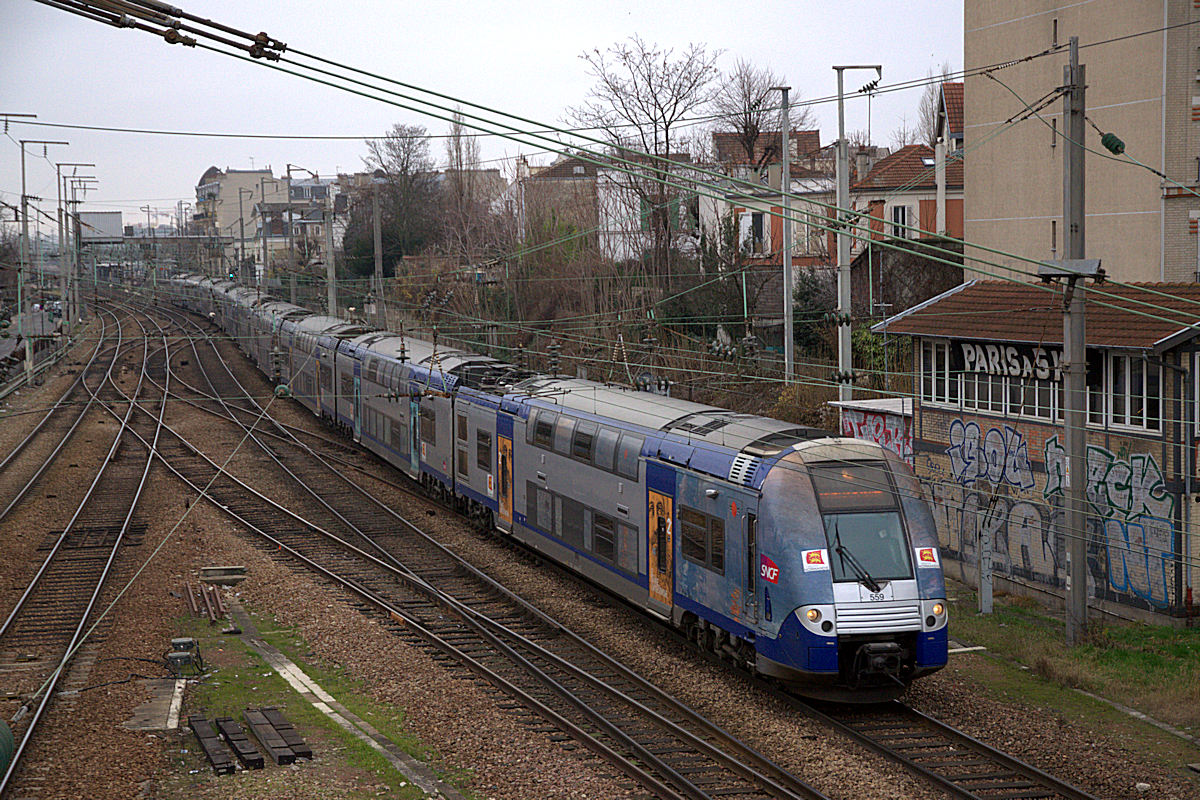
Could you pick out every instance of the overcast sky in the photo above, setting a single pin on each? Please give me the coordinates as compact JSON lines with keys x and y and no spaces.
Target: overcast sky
{"x":522,"y":58}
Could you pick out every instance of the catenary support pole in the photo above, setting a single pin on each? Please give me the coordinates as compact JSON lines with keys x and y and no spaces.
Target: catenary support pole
{"x":378,"y":241}
{"x":785,"y":190}
{"x":845,"y":359}
{"x":330,"y":261}
{"x":1074,"y":349}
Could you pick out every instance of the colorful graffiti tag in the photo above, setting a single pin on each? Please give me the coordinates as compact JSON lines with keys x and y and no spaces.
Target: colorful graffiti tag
{"x":1136,"y":511}
{"x":986,"y":491}
{"x":999,"y":456}
{"x":888,"y":430}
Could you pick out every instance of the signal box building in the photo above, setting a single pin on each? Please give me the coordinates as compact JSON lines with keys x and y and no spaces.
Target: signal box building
{"x":988,"y":440}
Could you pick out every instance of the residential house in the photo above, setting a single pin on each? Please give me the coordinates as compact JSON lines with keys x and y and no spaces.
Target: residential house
{"x":224,"y":199}
{"x":1140,"y":87}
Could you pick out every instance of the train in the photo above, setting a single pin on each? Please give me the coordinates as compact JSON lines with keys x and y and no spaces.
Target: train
{"x":808,"y":558}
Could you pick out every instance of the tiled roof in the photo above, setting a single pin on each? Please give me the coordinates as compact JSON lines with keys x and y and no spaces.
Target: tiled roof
{"x":730,"y":151}
{"x":565,"y":168}
{"x":907,"y":168}
{"x":1117,"y":316}
{"x":952,"y":98}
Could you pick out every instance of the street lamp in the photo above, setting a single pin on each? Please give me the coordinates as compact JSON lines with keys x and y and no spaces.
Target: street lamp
{"x":291,"y":230}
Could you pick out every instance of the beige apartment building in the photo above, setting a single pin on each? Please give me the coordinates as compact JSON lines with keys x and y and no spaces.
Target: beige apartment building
{"x":1143,"y":84}
{"x":219,"y":214}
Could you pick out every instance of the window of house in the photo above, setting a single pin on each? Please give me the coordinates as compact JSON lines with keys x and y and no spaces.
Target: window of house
{"x":1135,"y":392}
{"x":938,"y":385}
{"x":900,"y":222}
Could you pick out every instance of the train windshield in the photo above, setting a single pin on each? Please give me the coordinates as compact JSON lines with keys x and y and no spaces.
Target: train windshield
{"x":863,"y":526}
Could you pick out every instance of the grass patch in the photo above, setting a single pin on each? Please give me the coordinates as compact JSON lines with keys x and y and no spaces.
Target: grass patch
{"x":1153,"y":668}
{"x":243,"y":680}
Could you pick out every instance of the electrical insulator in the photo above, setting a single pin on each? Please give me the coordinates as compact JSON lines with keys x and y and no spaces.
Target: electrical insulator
{"x":1112,"y":143}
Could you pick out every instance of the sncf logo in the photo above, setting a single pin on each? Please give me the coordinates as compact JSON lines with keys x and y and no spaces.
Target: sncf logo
{"x":768,"y":570}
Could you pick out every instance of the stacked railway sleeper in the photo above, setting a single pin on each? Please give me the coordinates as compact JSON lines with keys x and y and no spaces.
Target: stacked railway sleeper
{"x":367,"y":548}
{"x":46,"y":626}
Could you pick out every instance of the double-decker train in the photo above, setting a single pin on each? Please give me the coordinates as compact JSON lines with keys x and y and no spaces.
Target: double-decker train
{"x":809,"y":558}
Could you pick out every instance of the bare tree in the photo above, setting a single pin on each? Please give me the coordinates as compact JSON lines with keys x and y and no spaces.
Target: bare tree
{"x":748,"y":105}
{"x":466,"y":214}
{"x":931,"y":103}
{"x":905,"y":134}
{"x":642,"y":93}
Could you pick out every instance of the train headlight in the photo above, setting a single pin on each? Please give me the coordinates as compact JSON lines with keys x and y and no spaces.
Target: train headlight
{"x":938,"y":609}
{"x":813,"y":614}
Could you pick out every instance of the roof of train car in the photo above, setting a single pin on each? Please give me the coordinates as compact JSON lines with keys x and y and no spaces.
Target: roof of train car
{"x":281,"y":308}
{"x":325,"y":324}
{"x":695,"y":421}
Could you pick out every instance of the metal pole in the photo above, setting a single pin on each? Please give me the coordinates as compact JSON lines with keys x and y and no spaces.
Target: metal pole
{"x":242,"y":234}
{"x":291,"y":241}
{"x":62,"y":265}
{"x":21,"y":272}
{"x":330,"y":263}
{"x":262,"y":221}
{"x":1074,"y":350}
{"x":378,"y":249}
{"x":845,"y":360}
{"x":785,"y":189}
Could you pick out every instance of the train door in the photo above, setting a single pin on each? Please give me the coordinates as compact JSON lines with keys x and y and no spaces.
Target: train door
{"x":504,"y":469}
{"x":357,"y":402}
{"x":414,"y":432}
{"x":660,"y":502}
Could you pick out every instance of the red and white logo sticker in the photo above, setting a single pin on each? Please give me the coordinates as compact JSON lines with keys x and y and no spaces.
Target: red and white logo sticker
{"x":927,"y":557}
{"x":768,"y":570}
{"x":491,"y":485}
{"x":815,"y":560}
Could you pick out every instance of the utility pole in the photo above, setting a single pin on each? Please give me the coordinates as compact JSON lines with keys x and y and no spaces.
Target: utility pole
{"x":262,"y":221}
{"x":378,"y":248}
{"x":1072,"y":270}
{"x":242,"y":234}
{"x":845,"y":373}
{"x":785,"y":189}
{"x":291,"y":241}
{"x":64,"y":285}
{"x":330,"y":262}
{"x":25,"y":257}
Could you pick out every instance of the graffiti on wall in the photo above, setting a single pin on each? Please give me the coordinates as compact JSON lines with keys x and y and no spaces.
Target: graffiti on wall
{"x":985,"y":489}
{"x":888,"y":430}
{"x":1136,"y":512}
{"x":999,"y":456}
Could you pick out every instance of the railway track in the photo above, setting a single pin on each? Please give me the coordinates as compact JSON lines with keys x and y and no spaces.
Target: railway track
{"x":50,"y":619}
{"x":433,"y":598}
{"x":492,"y":633}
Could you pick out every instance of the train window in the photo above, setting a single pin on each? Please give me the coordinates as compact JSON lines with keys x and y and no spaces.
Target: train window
{"x":483,"y":450}
{"x":572,"y":522}
{"x":628,"y":451}
{"x":585,"y":436}
{"x":428,"y":425}
{"x":693,"y":528}
{"x":543,"y":430}
{"x":606,"y":449}
{"x":853,"y":487}
{"x":604,"y":535}
{"x":462,"y":427}
{"x":716,"y":545}
{"x":627,"y":548}
{"x":463,"y":467}
{"x":702,"y":539}
{"x":539,"y":505}
{"x":751,"y":546}
{"x":562,"y":435}
{"x":347,"y":386}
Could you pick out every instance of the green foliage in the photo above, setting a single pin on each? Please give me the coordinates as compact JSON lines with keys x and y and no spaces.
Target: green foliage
{"x":813,"y":297}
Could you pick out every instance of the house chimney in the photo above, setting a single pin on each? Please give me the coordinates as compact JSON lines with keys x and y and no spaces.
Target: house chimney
{"x":862,"y":162}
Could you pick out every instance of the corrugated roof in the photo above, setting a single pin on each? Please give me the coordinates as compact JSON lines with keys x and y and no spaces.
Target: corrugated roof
{"x":1117,"y":316}
{"x":910,"y":167}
